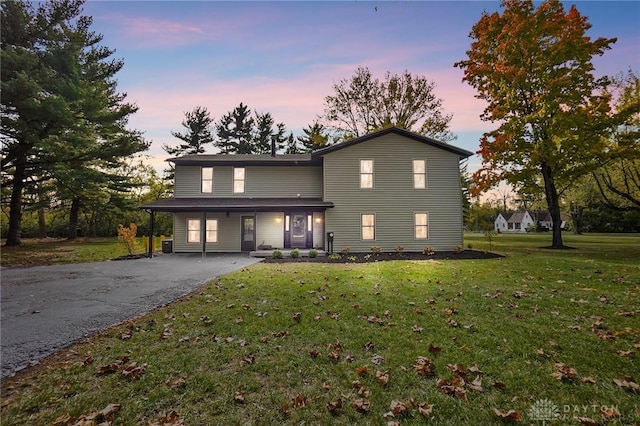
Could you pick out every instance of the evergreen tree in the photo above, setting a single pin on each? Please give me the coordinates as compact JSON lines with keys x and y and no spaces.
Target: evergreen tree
{"x":63,"y":119}
{"x":292,"y":145}
{"x":198,"y":133}
{"x":241,"y":133}
{"x":235,"y":130}
{"x":315,"y":137}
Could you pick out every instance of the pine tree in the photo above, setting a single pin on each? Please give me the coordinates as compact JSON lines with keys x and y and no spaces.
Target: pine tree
{"x":235,"y":130}
{"x":315,"y":137}
{"x":198,"y":133}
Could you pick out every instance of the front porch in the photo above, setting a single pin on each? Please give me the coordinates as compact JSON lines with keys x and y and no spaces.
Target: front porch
{"x":285,"y":253}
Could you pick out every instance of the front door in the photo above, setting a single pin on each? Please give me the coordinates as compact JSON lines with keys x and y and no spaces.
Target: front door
{"x":298,"y":230}
{"x":248,"y":236}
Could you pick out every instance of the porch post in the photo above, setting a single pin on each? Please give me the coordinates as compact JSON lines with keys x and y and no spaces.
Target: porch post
{"x":203,"y":234}
{"x":151,"y":225}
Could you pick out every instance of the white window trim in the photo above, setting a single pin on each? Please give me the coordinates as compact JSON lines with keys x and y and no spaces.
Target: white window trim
{"x":237,"y":181}
{"x":217,"y":227}
{"x":373,"y":170}
{"x":202,"y":180}
{"x":415,"y":226}
{"x":362,"y":227}
{"x":189,"y":231}
{"x":413,"y":175}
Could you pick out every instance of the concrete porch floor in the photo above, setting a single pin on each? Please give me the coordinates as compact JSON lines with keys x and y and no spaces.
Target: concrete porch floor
{"x":285,"y":253}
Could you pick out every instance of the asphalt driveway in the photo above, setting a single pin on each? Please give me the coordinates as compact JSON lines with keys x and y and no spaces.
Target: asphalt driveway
{"x":46,"y":308}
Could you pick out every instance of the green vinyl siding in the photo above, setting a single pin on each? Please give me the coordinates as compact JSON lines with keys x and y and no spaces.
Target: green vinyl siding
{"x":260,"y":182}
{"x":228,"y":233}
{"x":393,"y":198}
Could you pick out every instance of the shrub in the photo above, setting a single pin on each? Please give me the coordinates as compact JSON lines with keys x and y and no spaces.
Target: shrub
{"x":128,"y":236}
{"x":345,"y":250}
{"x":334,"y":256}
{"x":277,"y":254}
{"x":458,"y":249}
{"x":428,"y":251}
{"x":352,"y":258}
{"x":399,"y":249}
{"x":376,"y":249}
{"x":295,"y":253}
{"x":313,"y":253}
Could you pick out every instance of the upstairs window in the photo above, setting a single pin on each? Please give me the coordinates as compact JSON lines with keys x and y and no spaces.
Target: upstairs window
{"x":238,"y":180}
{"x":368,"y":224}
{"x":207,"y":180}
{"x":419,"y":174}
{"x":366,"y":174}
{"x":421,"y":221}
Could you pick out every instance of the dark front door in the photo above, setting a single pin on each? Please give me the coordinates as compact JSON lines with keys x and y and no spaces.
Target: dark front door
{"x":248,"y":233}
{"x":299,"y":230}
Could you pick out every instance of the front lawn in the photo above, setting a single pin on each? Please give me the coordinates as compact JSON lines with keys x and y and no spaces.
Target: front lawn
{"x":536,"y":335}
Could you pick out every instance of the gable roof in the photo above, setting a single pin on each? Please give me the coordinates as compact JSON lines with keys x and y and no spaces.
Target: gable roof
{"x":463,"y":153}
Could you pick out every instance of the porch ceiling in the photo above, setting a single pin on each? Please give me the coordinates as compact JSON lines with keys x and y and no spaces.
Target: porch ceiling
{"x":235,"y":204}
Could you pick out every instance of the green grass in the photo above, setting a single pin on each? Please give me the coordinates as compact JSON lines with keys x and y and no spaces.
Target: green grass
{"x":243,"y":343}
{"x":51,"y":251}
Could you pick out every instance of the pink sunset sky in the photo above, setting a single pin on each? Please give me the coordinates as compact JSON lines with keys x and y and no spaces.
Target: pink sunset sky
{"x":284,"y":57}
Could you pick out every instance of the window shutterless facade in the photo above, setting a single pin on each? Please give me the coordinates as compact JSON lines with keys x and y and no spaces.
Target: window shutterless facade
{"x":238,"y":180}
{"x":419,"y":174}
{"x":421,"y":226}
{"x":194,"y":231}
{"x":366,"y":174}
{"x":368,"y":226}
{"x":206,"y":179}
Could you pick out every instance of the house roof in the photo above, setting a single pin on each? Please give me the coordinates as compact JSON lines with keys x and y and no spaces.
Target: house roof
{"x":235,"y":204}
{"x":463,"y":153}
{"x":246,"y":159}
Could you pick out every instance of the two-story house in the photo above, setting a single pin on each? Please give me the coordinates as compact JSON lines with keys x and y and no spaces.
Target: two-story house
{"x":389,"y":188}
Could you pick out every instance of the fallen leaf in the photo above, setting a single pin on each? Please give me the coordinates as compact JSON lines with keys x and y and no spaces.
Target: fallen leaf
{"x":361,"y":371}
{"x":423,"y":408}
{"x":171,"y":419}
{"x":423,"y":366}
{"x":299,"y":401}
{"x":297,"y":317}
{"x":398,"y":408}
{"x":627,"y":383}
{"x":476,"y":385}
{"x":238,"y":397}
{"x":361,"y":405}
{"x":586,"y":421}
{"x":609,"y":412}
{"x":434,"y":349}
{"x":134,"y":371}
{"x":382,"y":377}
{"x":334,"y":407}
{"x":563,"y":372}
{"x":176,"y":383}
{"x":507,"y":415}
{"x":313,"y":352}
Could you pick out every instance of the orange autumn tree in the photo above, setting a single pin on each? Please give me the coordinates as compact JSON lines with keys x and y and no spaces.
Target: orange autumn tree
{"x":534,"y":69}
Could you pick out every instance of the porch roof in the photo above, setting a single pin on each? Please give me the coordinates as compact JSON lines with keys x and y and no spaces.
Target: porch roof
{"x":235,"y":204}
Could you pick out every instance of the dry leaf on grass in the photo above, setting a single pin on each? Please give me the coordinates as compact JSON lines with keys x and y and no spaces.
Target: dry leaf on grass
{"x":335,"y":407}
{"x":361,"y":405}
{"x":507,"y":415}
{"x":171,"y":419}
{"x":382,"y":377}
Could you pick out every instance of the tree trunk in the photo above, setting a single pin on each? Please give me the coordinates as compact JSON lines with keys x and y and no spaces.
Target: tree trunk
{"x":551,"y":194}
{"x":73,"y":219}
{"x":42,"y":223}
{"x":14,"y":231}
{"x":576,"y":218}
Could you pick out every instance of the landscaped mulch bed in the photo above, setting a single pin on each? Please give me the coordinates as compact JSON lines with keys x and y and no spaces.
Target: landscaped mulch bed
{"x":379,"y":257}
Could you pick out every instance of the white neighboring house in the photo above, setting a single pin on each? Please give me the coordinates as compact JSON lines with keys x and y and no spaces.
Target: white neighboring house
{"x":514,"y":222}
{"x":500,"y":224}
{"x":525,"y":220}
